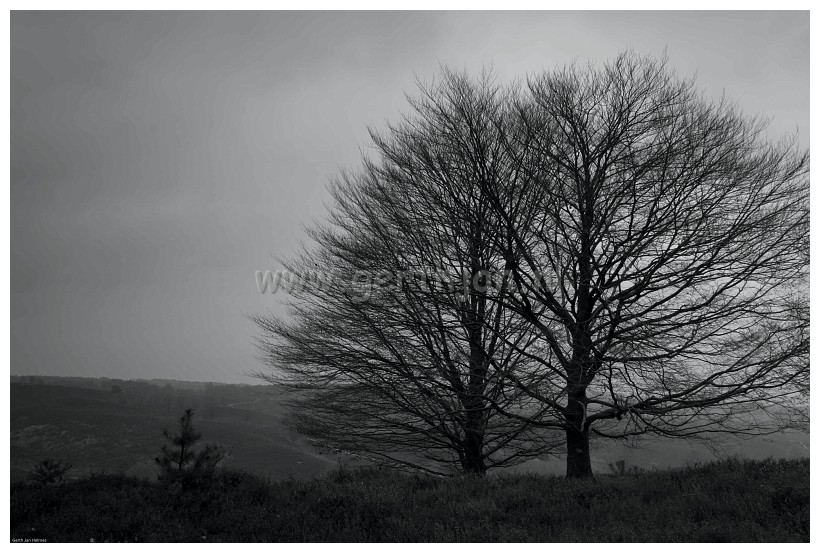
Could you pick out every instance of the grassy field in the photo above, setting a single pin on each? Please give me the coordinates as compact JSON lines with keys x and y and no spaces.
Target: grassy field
{"x":728,"y":501}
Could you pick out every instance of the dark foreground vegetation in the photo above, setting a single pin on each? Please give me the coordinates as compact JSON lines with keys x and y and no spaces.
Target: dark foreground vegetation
{"x":725,"y":501}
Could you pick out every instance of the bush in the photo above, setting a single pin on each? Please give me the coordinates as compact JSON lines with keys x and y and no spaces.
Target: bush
{"x":49,"y":472}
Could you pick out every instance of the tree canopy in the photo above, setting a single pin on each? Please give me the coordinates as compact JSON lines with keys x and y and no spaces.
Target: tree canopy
{"x":594,"y":252}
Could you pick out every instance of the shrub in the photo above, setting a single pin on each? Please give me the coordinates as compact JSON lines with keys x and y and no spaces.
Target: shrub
{"x":49,"y":472}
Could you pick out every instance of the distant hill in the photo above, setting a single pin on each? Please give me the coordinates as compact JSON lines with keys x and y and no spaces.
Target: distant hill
{"x":110,"y":425}
{"x":102,"y":425}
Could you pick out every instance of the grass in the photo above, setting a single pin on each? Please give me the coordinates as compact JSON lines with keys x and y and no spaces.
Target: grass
{"x":727,"y":501}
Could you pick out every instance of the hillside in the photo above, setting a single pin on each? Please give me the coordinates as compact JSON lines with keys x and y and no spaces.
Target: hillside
{"x":100,"y":430}
{"x":115,"y":426}
{"x":729,"y":501}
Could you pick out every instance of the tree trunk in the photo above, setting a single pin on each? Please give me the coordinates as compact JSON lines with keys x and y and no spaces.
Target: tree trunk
{"x":579,"y":464}
{"x":472,"y":461}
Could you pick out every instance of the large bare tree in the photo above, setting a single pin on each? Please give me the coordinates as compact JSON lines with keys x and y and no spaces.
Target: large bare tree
{"x":658,"y":243}
{"x":411,"y":369}
{"x":615,"y":255}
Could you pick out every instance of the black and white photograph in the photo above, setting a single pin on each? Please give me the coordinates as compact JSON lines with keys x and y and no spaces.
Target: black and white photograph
{"x":328,"y":274}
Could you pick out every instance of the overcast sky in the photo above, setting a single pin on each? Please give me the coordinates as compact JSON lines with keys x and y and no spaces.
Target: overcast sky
{"x":159,"y":159}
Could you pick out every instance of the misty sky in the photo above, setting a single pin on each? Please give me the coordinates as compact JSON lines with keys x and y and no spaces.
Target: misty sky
{"x":159,"y":159}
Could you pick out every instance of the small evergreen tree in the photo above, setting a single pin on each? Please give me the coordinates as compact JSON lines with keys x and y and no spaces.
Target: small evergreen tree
{"x":181,"y":460}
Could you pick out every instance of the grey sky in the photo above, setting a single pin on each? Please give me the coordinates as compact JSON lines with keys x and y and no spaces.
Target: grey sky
{"x":159,"y":159}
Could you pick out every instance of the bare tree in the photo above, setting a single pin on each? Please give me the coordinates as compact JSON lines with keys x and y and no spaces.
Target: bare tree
{"x":410,"y":369}
{"x":615,"y":256}
{"x":658,"y":246}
